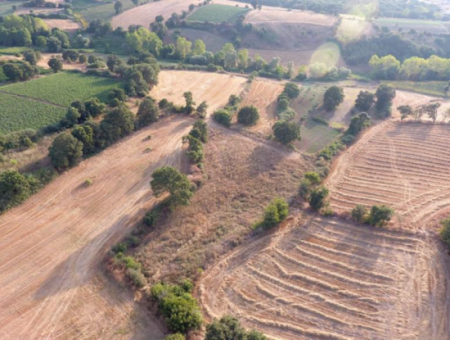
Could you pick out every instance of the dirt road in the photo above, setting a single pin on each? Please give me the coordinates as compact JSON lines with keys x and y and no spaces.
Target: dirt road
{"x":52,"y":245}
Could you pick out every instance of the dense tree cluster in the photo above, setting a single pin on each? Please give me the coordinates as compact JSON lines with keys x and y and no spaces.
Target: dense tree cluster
{"x":286,"y":132}
{"x":378,"y":216}
{"x":229,"y":328}
{"x":18,"y":70}
{"x":178,"y":307}
{"x":275,"y":213}
{"x":225,"y":115}
{"x":414,"y":68}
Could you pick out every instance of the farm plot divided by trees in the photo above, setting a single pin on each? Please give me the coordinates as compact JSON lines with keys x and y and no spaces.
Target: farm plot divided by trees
{"x":64,"y":88}
{"x":403,"y":165}
{"x":325,"y":279}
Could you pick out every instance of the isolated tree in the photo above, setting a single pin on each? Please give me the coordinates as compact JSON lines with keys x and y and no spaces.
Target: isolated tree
{"x":32,"y":57}
{"x":431,"y":110}
{"x":118,"y":7}
{"x":65,"y":151}
{"x":380,"y":215}
{"x":189,"y":108}
{"x":317,"y":198}
{"x":359,"y":213}
{"x":148,"y":112}
{"x":226,"y":328}
{"x":82,"y":59}
{"x":276,"y":212}
{"x":248,"y":115}
{"x":291,"y":90}
{"x":14,"y":189}
{"x":286,"y":132}
{"x":169,"y":179}
{"x":365,"y":100}
{"x":405,"y":110}
{"x":55,"y":64}
{"x":222,"y":117}
{"x":333,"y":97}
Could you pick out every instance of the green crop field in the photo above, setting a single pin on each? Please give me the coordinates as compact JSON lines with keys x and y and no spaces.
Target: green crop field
{"x":6,"y":7}
{"x":316,"y":136}
{"x":217,"y":13}
{"x":91,"y":10}
{"x":12,"y":50}
{"x":21,"y":113}
{"x":64,"y":88}
{"x":432,"y":88}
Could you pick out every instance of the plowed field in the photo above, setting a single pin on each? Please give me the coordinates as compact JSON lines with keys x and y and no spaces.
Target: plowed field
{"x":403,"y":165}
{"x":323,"y":279}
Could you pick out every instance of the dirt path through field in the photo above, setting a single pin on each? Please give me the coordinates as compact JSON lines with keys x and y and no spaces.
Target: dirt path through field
{"x":52,"y":245}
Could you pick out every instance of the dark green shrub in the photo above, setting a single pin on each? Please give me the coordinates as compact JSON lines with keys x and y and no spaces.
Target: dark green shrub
{"x":248,"y":115}
{"x":222,"y":117}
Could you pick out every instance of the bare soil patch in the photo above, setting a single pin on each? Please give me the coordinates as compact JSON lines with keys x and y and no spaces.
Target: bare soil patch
{"x":144,"y":15}
{"x":62,"y":24}
{"x":213,"y":87}
{"x":403,"y":165}
{"x":51,"y":246}
{"x":263,"y":95}
{"x":242,"y":176}
{"x":325,"y":279}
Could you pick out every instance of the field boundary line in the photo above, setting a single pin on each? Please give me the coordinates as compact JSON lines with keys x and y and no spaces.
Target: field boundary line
{"x":34,"y":99}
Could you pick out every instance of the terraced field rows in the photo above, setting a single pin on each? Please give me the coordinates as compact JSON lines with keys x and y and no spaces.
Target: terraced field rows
{"x":402,"y":165}
{"x":325,"y":279}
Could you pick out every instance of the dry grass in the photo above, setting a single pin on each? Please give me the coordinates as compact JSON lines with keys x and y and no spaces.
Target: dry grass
{"x":62,"y":24}
{"x":243,"y":175}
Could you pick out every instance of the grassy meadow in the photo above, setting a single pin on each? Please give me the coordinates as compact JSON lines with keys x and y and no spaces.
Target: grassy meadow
{"x":217,"y":13}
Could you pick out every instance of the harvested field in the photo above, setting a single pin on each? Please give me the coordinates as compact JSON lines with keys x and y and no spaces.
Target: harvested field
{"x":263,"y":95}
{"x":243,"y":175}
{"x":282,"y":15}
{"x":403,"y":165}
{"x":325,"y":279}
{"x":144,"y":15}
{"x":213,"y":87}
{"x":62,"y":24}
{"x":49,"y":270}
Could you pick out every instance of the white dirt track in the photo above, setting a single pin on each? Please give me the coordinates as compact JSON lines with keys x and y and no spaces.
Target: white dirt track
{"x":52,"y":245}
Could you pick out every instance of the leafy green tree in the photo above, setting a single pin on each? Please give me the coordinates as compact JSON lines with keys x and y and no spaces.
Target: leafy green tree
{"x":55,"y":64}
{"x":32,"y":57}
{"x":227,"y":328}
{"x":148,"y":112}
{"x":291,"y":90}
{"x":380,"y":215}
{"x":118,"y":94}
{"x":113,"y":61}
{"x":248,"y":115}
{"x":222,"y":117}
{"x":200,"y":131}
{"x":93,"y":108}
{"x":385,"y":94}
{"x":359,"y":213}
{"x":65,"y":151}
{"x":358,"y":123}
{"x":275,"y":213}
{"x":364,"y":101}
{"x":85,"y":134}
{"x":182,"y":48}
{"x":118,"y":7}
{"x":117,"y":123}
{"x":255,"y":335}
{"x":54,"y":45}
{"x":405,"y":110}
{"x":201,"y":109}
{"x":199,"y":47}
{"x":317,"y":198}
{"x":70,"y":55}
{"x":333,"y":97}
{"x":14,"y":189}
{"x":169,"y":179}
{"x":286,"y":132}
{"x":176,"y":336}
{"x":16,"y":71}
{"x":444,"y":233}
{"x":189,"y":108}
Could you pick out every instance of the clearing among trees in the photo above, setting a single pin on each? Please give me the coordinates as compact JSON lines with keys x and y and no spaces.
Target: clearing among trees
{"x":402,"y":165}
{"x":324,"y":279}
{"x":213,"y":87}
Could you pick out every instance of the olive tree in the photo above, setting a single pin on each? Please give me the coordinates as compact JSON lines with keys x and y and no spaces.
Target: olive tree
{"x":286,"y":132}
{"x":168,"y":179}
{"x":333,"y":97}
{"x":248,"y":115}
{"x":65,"y":151}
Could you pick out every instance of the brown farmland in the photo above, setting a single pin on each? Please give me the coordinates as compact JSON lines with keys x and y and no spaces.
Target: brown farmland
{"x":403,"y":165}
{"x":144,"y":15}
{"x":213,"y":87}
{"x":324,"y":279}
